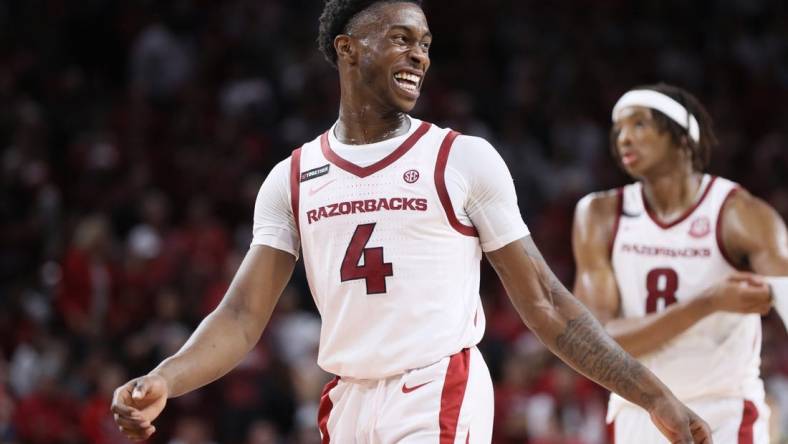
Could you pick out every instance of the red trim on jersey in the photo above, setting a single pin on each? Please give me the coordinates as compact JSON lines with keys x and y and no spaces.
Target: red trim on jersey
{"x":611,"y":432}
{"x":324,"y":409}
{"x":619,"y":211}
{"x":718,"y":230}
{"x":295,"y":185}
{"x":362,"y":172}
{"x":453,"y":394}
{"x":748,"y":417}
{"x":440,"y":184}
{"x":684,"y":216}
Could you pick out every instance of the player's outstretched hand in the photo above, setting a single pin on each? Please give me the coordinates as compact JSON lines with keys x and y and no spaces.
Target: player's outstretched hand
{"x":742,"y":292}
{"x":137,"y":403}
{"x":680,"y":424}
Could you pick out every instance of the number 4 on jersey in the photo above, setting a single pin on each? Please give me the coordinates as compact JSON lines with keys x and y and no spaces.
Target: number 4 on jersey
{"x":374,"y":271}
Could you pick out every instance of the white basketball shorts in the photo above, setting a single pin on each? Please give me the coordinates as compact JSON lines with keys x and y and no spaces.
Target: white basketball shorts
{"x":448,"y":402}
{"x":732,"y":421}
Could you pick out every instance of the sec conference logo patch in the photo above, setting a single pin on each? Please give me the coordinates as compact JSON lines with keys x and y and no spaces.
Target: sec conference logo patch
{"x":700,"y":227}
{"x":411,"y":176}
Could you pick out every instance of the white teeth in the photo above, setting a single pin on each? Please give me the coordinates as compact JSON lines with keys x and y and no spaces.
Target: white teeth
{"x":408,"y":87}
{"x":408,"y":77}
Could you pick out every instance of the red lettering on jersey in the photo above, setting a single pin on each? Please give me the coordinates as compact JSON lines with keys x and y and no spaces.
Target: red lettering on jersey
{"x":369,"y":206}
{"x":661,"y":283}
{"x":649,"y":250}
{"x":374,"y":271}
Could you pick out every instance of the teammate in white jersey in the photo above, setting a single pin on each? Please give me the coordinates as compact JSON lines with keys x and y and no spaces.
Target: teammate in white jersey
{"x":392,"y":215}
{"x":658,"y":261}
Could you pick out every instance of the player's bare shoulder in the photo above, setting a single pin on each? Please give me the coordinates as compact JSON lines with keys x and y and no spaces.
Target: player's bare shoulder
{"x":596,"y":216}
{"x":749,"y":224}
{"x":598,"y":210}
{"x":742,"y":203}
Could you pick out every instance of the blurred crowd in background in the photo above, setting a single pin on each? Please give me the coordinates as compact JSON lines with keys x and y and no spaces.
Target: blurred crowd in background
{"x":134,"y":137}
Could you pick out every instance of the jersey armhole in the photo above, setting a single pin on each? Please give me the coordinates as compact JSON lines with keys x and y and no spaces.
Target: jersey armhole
{"x":295,"y":185}
{"x":718,"y":229}
{"x":443,"y":193}
{"x":619,"y":210}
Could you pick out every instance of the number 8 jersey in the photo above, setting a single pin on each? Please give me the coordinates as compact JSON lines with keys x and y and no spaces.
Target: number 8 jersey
{"x":657,"y":264}
{"x":393,"y":270}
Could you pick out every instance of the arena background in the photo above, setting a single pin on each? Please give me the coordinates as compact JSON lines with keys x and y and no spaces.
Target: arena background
{"x":135,"y":135}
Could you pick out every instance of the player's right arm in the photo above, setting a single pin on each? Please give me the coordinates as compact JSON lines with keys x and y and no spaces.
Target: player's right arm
{"x":226,"y":335}
{"x":596,"y":286}
{"x":222,"y":339}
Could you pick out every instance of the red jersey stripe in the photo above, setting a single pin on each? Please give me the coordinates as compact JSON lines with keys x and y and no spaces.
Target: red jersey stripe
{"x":453,"y":394}
{"x":324,"y":409}
{"x":443,"y":193}
{"x":718,"y":230}
{"x":619,"y":210}
{"x":295,"y":185}
{"x":684,"y":216}
{"x":748,"y":418}
{"x":362,"y":172}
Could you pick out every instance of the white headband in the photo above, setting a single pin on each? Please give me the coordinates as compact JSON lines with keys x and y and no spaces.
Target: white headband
{"x":652,"y":99}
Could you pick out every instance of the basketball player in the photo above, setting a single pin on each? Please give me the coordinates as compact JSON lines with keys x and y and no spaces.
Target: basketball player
{"x":657,"y":263}
{"x":391,"y":215}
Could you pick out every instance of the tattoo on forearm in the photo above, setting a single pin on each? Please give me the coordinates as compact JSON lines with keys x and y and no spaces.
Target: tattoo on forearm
{"x":584,"y":343}
{"x":592,"y":351}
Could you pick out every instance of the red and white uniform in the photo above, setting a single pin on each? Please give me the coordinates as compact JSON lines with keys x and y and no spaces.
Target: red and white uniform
{"x":714,"y":365}
{"x":392,"y":234}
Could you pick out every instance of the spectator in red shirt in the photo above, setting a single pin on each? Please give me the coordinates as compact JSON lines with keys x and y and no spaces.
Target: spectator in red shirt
{"x":86,"y":291}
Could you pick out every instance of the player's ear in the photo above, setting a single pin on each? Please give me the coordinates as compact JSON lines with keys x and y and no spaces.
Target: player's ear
{"x":685,"y":145}
{"x":345,"y":47}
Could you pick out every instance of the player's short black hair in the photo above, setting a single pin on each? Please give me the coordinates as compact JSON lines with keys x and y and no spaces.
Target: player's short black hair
{"x":700,"y":152}
{"x":335,"y":18}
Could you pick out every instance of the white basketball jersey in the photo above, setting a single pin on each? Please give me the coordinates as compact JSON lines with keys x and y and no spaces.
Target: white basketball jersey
{"x":657,"y":264}
{"x":394,"y":274}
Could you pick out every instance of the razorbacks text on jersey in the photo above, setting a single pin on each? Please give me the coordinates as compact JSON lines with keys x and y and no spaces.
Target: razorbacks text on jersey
{"x":394,"y":274}
{"x":657,"y":264}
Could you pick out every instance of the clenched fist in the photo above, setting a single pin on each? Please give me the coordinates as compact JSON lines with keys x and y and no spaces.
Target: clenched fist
{"x":137,"y":403}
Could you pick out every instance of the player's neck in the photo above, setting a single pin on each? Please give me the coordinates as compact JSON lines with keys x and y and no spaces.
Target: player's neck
{"x":363,"y":124}
{"x":670,"y":195}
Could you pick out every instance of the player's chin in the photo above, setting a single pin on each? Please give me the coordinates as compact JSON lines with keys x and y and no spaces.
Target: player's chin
{"x":404,"y":101}
{"x":407,"y":107}
{"x":633,"y":171}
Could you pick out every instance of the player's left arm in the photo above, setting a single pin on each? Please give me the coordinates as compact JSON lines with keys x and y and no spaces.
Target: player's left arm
{"x":566,"y":326}
{"x":753,"y":233}
{"x":558,"y":319}
{"x":570,"y":331}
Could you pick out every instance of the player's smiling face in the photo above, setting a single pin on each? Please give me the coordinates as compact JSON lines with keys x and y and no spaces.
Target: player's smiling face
{"x":394,"y":55}
{"x":641,"y":145}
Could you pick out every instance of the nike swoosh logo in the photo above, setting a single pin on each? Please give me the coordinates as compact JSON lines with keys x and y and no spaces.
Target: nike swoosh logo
{"x":313,"y":191}
{"x":406,"y":389}
{"x":626,"y":214}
